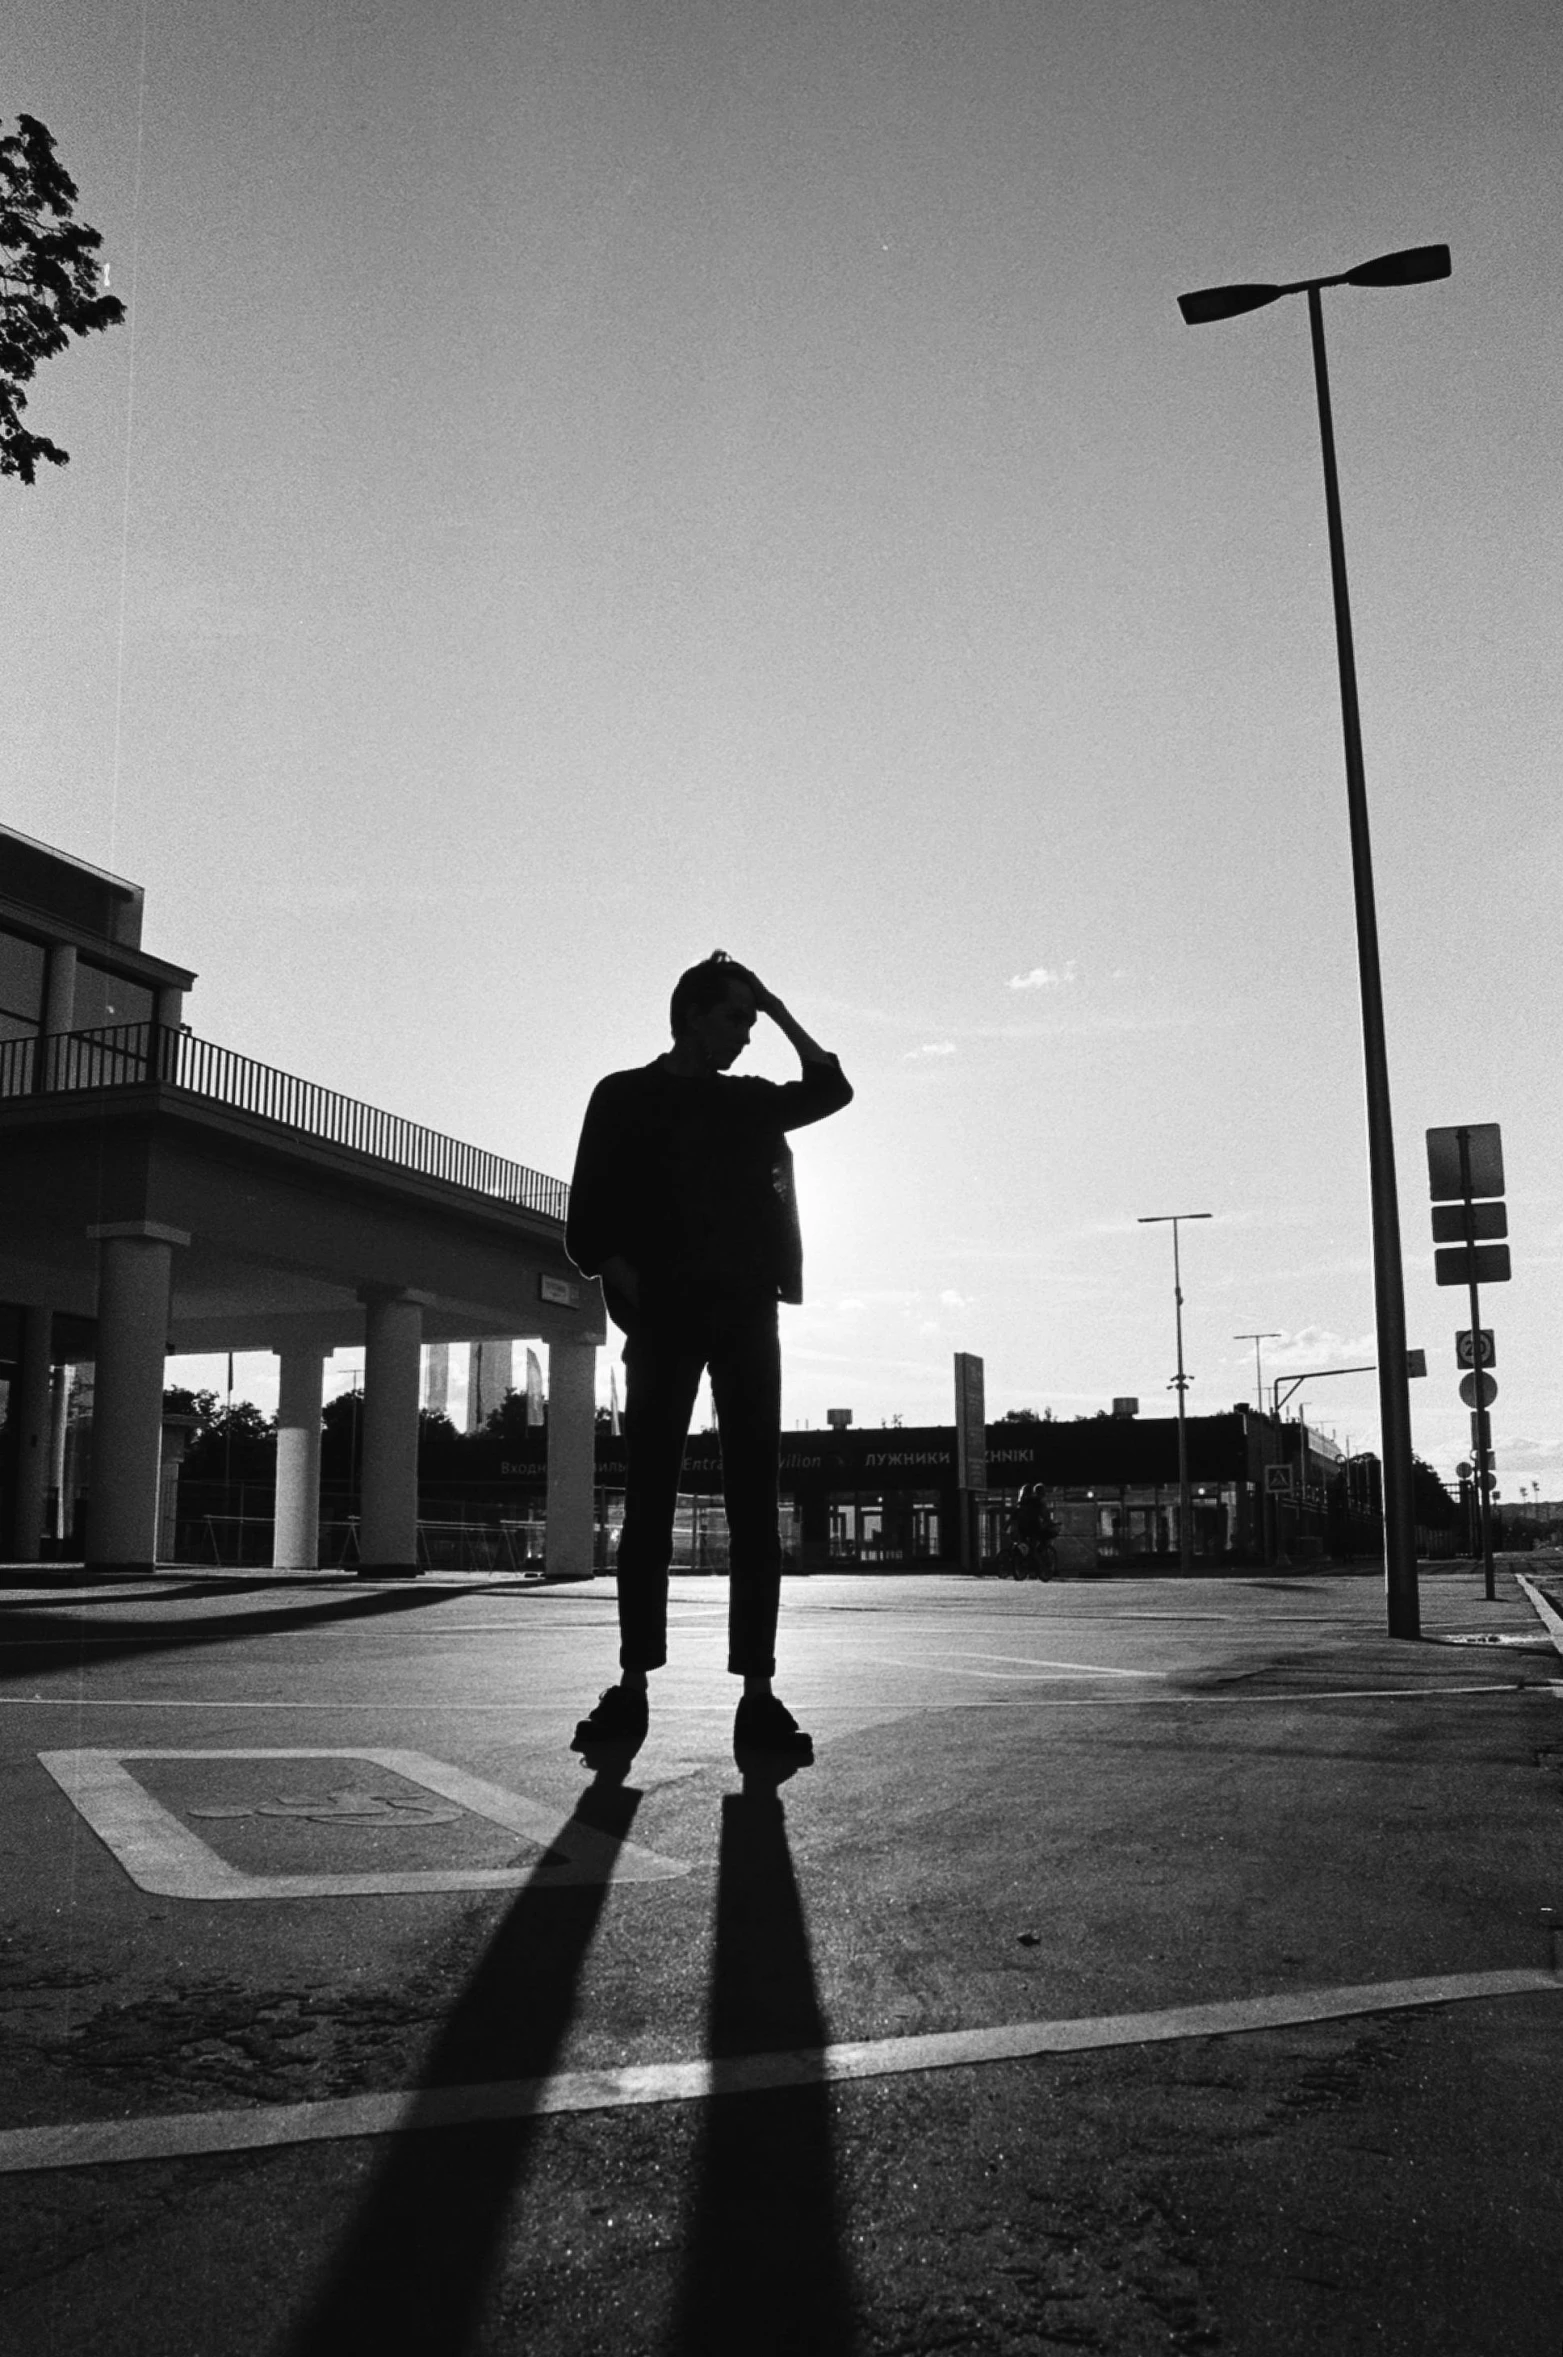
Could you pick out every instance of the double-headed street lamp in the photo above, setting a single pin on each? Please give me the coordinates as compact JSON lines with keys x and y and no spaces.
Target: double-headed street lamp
{"x":1158,"y":1219}
{"x":1410,"y":268}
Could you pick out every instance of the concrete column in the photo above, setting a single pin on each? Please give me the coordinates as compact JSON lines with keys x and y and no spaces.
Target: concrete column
{"x":176,"y":1439}
{"x":30,"y":1403}
{"x":295,"y":1543}
{"x":388,"y":1500}
{"x":59,"y":1418}
{"x":59,"y":988}
{"x":59,"y":1008}
{"x":572,"y":1456}
{"x":135,"y":1280}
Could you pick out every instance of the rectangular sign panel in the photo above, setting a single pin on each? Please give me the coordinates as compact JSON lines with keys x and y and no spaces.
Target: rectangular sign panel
{"x":1453,"y":1265}
{"x":971,"y":1439}
{"x":559,"y":1290}
{"x":1278,"y":1481}
{"x":1484,"y":1147}
{"x":1487,"y":1220}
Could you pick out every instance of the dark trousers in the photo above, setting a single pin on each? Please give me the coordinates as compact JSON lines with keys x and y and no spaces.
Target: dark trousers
{"x":663,"y":1364}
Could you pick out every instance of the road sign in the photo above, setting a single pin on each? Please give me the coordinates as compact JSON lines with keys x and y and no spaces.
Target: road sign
{"x":1463,"y":1354}
{"x":1416,"y":1362}
{"x":1481,"y":1430}
{"x":1487,"y":1220}
{"x":1471,"y":1384}
{"x":1465,"y":1264}
{"x":1463,"y":1469}
{"x":1278,"y":1481}
{"x":1484,"y":1145}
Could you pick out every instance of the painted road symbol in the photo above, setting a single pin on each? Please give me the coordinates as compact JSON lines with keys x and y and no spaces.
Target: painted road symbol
{"x":162,"y":1853}
{"x":346,"y":1807}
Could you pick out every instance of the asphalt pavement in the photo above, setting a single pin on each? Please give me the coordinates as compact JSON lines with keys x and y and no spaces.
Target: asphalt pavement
{"x":1143,"y":1965}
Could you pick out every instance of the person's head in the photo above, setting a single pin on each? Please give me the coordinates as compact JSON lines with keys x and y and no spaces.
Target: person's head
{"x":713,"y":1008}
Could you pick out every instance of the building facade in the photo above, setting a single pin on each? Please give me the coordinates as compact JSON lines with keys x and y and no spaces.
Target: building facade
{"x":160,"y":1193}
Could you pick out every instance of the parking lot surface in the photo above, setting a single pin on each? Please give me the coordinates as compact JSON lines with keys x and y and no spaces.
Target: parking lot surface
{"x":1142,"y":1965}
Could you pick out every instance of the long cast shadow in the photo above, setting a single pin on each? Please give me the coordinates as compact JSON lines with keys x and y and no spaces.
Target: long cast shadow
{"x":36,"y":1638}
{"x":765,"y":2267}
{"x":412,"y":2274}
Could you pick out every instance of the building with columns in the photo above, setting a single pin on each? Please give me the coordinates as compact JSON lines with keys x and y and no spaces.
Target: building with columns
{"x":159,"y":1194}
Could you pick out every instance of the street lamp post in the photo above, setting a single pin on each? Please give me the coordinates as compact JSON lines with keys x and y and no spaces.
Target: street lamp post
{"x":1273,"y":1335}
{"x":1180,"y":1382}
{"x":1266,"y":1513}
{"x":1413,"y":267}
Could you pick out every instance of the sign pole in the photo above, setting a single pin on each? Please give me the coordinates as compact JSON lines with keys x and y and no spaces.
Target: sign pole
{"x":1478,"y":1379}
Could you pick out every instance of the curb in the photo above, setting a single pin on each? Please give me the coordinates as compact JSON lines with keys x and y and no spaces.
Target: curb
{"x":1546,"y":1612}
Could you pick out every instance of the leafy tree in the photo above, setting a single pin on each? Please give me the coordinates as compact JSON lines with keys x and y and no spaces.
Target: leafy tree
{"x":49,"y":289}
{"x":1431,"y":1502}
{"x":237,"y":1443}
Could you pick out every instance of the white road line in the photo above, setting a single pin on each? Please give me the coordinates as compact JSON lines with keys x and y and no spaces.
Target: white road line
{"x":1083,"y":1669}
{"x":435,"y":1706}
{"x":91,"y":2144}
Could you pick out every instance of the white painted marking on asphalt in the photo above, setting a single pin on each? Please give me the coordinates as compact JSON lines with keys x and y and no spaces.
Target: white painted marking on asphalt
{"x":91,"y":2144}
{"x":443,"y":1706}
{"x":1084,"y":1669}
{"x":163,"y":1856}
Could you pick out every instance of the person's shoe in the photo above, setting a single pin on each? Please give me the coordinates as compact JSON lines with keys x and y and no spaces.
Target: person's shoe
{"x":620,"y":1717}
{"x":764,"y":1723}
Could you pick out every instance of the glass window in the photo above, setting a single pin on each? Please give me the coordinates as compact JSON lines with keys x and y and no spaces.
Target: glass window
{"x":21,"y":983}
{"x":103,"y":999}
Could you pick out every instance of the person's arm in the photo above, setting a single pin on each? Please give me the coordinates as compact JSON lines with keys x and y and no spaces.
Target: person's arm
{"x":824,"y":1087}
{"x":809,"y":1050}
{"x":600,"y":1206}
{"x":595,"y":1230}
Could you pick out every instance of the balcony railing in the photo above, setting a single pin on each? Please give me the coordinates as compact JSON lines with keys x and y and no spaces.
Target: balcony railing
{"x":128,"y":1055}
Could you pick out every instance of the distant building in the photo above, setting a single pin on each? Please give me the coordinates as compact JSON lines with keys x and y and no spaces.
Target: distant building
{"x":890,"y":1496}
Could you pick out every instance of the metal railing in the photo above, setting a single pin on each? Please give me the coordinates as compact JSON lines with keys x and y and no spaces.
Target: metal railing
{"x":128,"y":1055}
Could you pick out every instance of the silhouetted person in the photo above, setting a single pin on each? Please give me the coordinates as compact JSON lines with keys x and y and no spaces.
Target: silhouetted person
{"x":683,"y":1203}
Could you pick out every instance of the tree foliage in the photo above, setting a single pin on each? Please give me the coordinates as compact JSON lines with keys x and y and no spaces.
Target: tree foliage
{"x":237,"y":1442}
{"x":49,"y":285}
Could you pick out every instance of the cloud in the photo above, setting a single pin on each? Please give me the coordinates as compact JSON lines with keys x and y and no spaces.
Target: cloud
{"x":950,"y":1299}
{"x":934,"y":1047}
{"x":1045,"y":977}
{"x":1319,"y":1346}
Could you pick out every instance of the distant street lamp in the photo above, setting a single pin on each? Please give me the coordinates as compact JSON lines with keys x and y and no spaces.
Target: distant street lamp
{"x":1180,"y":1381}
{"x":1259,"y":1382}
{"x":1413,"y":267}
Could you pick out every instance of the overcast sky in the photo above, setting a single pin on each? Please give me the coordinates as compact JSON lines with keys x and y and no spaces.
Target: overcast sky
{"x":593,"y":481}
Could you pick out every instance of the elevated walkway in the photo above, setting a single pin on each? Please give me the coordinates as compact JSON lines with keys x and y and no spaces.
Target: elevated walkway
{"x":161,"y":1193}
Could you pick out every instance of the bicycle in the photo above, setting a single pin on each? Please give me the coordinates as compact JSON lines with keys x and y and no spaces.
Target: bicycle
{"x":1028,"y":1559}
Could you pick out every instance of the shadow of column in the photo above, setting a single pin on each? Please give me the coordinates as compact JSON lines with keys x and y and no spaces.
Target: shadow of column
{"x":414,"y":2268}
{"x":765,"y":2269}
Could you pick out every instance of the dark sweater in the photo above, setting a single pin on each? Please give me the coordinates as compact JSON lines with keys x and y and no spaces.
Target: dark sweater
{"x":691,"y":1180}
